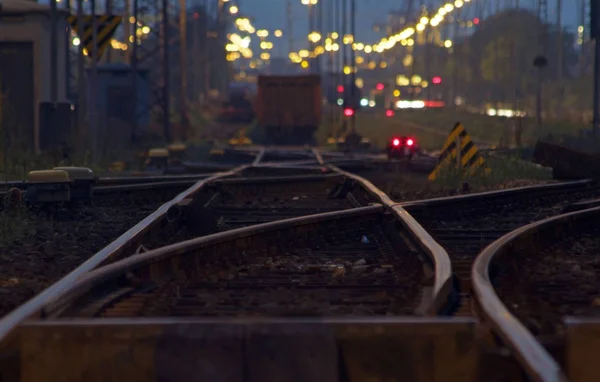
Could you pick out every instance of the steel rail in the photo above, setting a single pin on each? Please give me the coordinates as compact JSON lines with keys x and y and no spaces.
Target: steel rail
{"x":32,"y":307}
{"x":108,"y":272}
{"x":535,"y":359}
{"x":125,"y":180}
{"x":259,"y":157}
{"x":443,"y":283}
{"x":53,"y":292}
{"x":497,"y":194}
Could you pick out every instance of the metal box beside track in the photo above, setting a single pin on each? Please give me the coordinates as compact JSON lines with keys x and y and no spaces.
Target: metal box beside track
{"x":82,"y":180}
{"x":48,"y":186}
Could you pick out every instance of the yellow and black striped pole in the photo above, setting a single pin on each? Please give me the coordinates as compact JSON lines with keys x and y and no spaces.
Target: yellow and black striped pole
{"x":460,"y":149}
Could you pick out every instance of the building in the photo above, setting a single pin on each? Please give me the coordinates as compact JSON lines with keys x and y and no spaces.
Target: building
{"x":25,"y":71}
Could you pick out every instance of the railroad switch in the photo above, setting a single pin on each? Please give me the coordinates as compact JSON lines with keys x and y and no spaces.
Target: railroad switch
{"x":48,"y":186}
{"x":82,"y":181}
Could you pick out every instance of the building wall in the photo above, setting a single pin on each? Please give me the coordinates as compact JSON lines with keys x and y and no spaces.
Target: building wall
{"x":36,"y":28}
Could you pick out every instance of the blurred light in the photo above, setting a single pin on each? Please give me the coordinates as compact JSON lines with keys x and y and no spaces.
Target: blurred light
{"x":364,"y":102}
{"x":340,"y":89}
{"x":371,"y":103}
{"x":396,"y":142}
{"x":476,"y":21}
{"x":380,"y":86}
{"x":340,"y":101}
{"x":436,"y":80}
{"x":348,"y":112}
{"x":304,"y":64}
{"x":396,"y":93}
{"x":233,"y":10}
{"x":410,"y":142}
{"x":390,"y":113}
{"x":278,"y":33}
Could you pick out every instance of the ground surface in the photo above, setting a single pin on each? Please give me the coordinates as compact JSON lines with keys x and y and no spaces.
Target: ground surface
{"x":558,"y":279}
{"x":37,"y":249}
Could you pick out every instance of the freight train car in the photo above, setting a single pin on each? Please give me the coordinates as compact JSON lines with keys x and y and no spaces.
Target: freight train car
{"x":288,"y":108}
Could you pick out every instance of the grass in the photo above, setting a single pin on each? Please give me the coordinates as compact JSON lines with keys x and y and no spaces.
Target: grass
{"x":15,"y":221}
{"x":487,"y":128}
{"x":432,"y":127}
{"x":504,"y":171}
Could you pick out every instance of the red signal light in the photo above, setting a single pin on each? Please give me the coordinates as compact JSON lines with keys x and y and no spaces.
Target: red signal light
{"x":340,"y":89}
{"x":476,"y":20}
{"x":380,"y":86}
{"x":348,"y":112}
{"x":396,"y":142}
{"x":389,"y":113}
{"x":410,"y":142}
{"x":436,"y":80}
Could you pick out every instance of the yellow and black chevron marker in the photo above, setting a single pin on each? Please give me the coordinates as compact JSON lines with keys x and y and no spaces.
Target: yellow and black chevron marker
{"x":106,"y":25}
{"x":467,"y":153}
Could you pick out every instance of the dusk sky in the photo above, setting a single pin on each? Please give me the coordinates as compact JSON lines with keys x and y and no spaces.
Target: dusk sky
{"x":271,"y":14}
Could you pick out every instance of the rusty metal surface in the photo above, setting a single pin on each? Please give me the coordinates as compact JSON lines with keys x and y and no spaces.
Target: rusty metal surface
{"x":491,"y":195}
{"x":533,"y":356}
{"x":582,"y":345}
{"x":128,"y":180}
{"x":321,"y":349}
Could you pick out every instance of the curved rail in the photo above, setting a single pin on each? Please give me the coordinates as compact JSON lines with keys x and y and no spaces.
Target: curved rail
{"x":32,"y":307}
{"x":498,"y":194}
{"x":117,"y":247}
{"x":535,"y":359}
{"x":166,"y":254}
{"x":442,"y":286}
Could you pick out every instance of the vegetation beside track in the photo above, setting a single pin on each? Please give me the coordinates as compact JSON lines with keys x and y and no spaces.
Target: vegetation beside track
{"x":432,"y":127}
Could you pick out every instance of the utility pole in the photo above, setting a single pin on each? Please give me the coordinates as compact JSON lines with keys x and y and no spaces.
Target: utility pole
{"x":541,"y":61}
{"x":290,"y":26}
{"x":109,"y":10}
{"x":94,"y":82}
{"x":594,"y":33}
{"x":127,"y":31}
{"x":81,"y":96}
{"x":353,"y":63}
{"x":184,"y":121}
{"x":134,"y":68}
{"x":53,"y":52}
{"x":166,"y":94}
{"x":559,"y":30}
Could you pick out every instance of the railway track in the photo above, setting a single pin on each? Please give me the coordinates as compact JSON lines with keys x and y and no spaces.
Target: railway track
{"x":364,"y":258}
{"x":286,"y":237}
{"x":40,"y":244}
{"x":556,"y":303}
{"x":465,"y":225}
{"x":348,"y":263}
